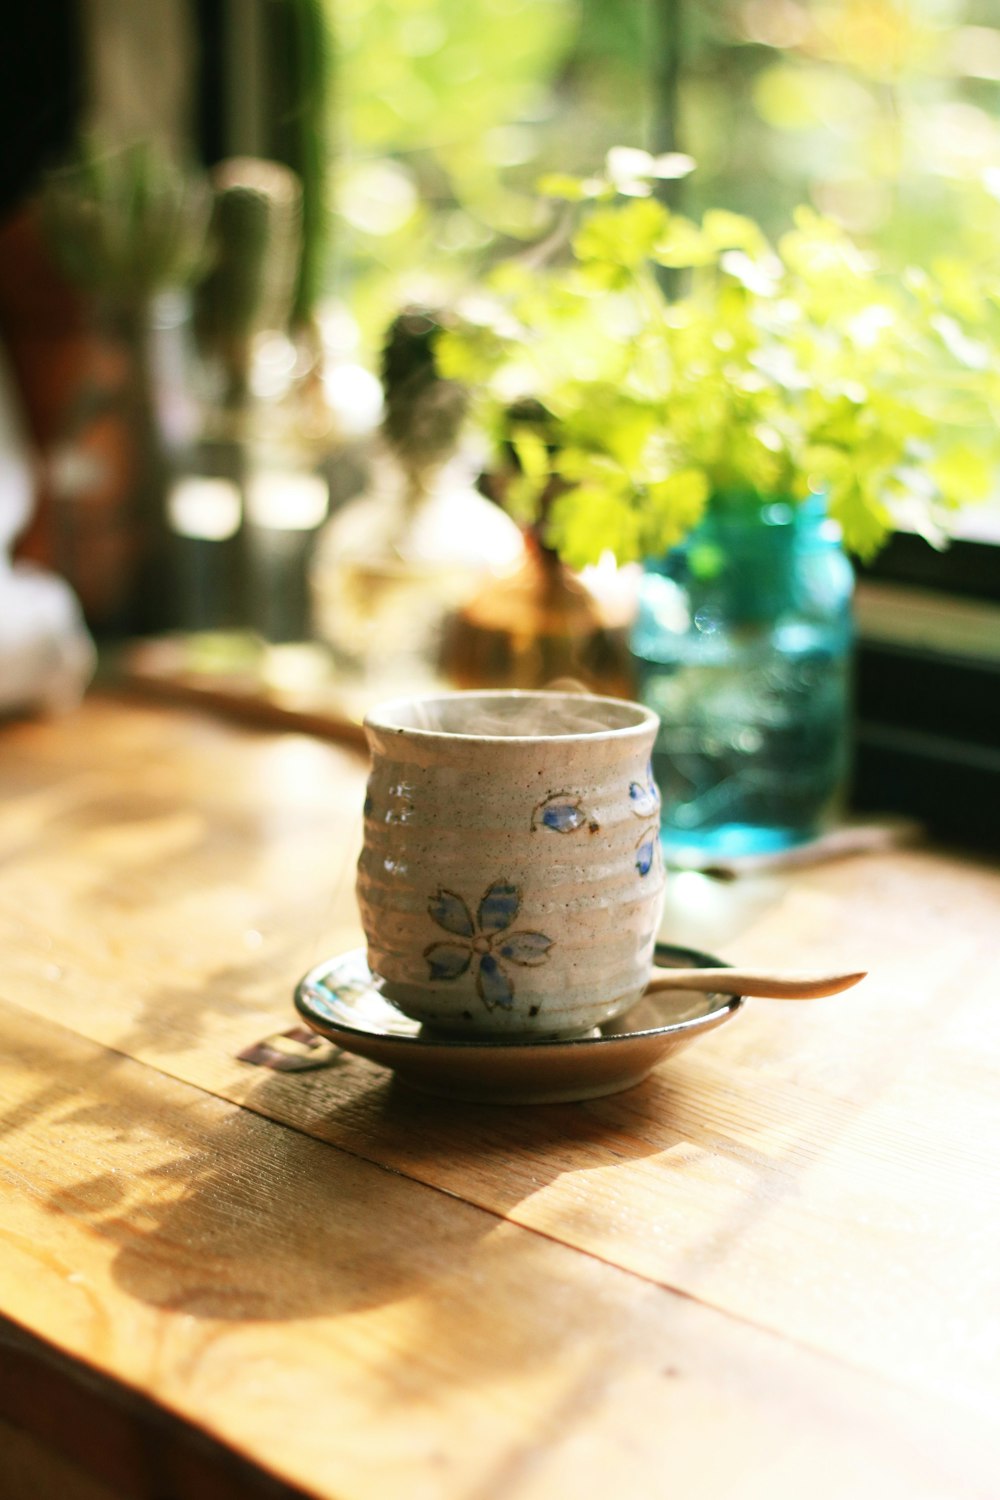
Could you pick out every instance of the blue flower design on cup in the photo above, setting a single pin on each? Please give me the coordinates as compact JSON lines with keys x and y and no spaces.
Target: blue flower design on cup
{"x":647,"y":850}
{"x":563,"y":812}
{"x":644,"y":799}
{"x":644,"y":796}
{"x":487,"y":943}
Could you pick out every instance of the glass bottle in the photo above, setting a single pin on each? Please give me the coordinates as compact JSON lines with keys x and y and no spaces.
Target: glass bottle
{"x":742,"y":644}
{"x":394,"y":563}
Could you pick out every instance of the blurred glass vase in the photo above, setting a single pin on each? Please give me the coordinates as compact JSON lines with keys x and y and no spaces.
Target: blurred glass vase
{"x":286,"y":504}
{"x":742,"y":645}
{"x":394,"y":564}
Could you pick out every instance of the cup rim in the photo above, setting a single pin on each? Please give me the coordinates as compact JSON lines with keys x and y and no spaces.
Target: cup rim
{"x":380,"y":718}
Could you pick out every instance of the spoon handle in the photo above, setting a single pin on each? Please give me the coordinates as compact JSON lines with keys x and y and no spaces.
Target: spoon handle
{"x":782,"y":986}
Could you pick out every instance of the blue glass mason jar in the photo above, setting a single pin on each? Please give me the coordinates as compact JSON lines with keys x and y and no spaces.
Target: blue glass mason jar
{"x":743,"y":645}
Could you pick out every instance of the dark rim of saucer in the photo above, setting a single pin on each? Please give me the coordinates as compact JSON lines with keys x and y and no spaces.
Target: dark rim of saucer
{"x":691,"y":958}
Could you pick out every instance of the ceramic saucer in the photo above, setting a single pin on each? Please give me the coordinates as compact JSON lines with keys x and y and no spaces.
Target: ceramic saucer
{"x":341,"y":1000}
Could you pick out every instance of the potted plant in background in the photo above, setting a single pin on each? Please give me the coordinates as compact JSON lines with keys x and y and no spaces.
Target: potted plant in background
{"x":538,"y":622}
{"x":126,"y":225}
{"x":778,"y":404}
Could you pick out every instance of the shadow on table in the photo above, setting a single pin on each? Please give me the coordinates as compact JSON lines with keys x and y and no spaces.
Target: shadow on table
{"x":262,"y":1222}
{"x":492,"y":1156}
{"x":403,"y":1293}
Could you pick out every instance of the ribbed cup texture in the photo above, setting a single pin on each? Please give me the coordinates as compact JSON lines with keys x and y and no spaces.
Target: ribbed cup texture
{"x":511,"y":887}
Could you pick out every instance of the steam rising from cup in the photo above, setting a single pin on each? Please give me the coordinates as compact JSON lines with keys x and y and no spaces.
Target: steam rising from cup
{"x":510,"y":715}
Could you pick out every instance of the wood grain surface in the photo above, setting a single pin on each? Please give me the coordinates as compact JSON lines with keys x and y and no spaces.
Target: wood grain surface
{"x":772,"y":1268}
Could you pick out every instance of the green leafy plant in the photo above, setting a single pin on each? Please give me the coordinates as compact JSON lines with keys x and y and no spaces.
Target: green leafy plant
{"x":127,"y":221}
{"x":688,"y":364}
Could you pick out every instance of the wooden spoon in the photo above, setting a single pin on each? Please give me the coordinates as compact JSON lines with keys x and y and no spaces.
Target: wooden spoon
{"x":786,"y":985}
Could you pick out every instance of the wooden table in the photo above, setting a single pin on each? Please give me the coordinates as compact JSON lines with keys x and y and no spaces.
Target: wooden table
{"x":770,"y":1271}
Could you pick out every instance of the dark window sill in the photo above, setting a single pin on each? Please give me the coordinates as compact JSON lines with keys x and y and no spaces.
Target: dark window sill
{"x":968,"y":568}
{"x":928,"y":709}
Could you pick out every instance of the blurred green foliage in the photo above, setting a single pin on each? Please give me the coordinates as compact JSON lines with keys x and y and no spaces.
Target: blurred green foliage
{"x":126,"y":221}
{"x":447,"y":112}
{"x":787,"y":370}
{"x":883,"y":114}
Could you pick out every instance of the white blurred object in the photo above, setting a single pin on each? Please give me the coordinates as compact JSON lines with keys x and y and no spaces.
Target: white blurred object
{"x":46,"y":655}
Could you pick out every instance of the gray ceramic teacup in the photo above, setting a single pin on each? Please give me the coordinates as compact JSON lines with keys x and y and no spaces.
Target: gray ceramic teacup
{"x":511,"y":879}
